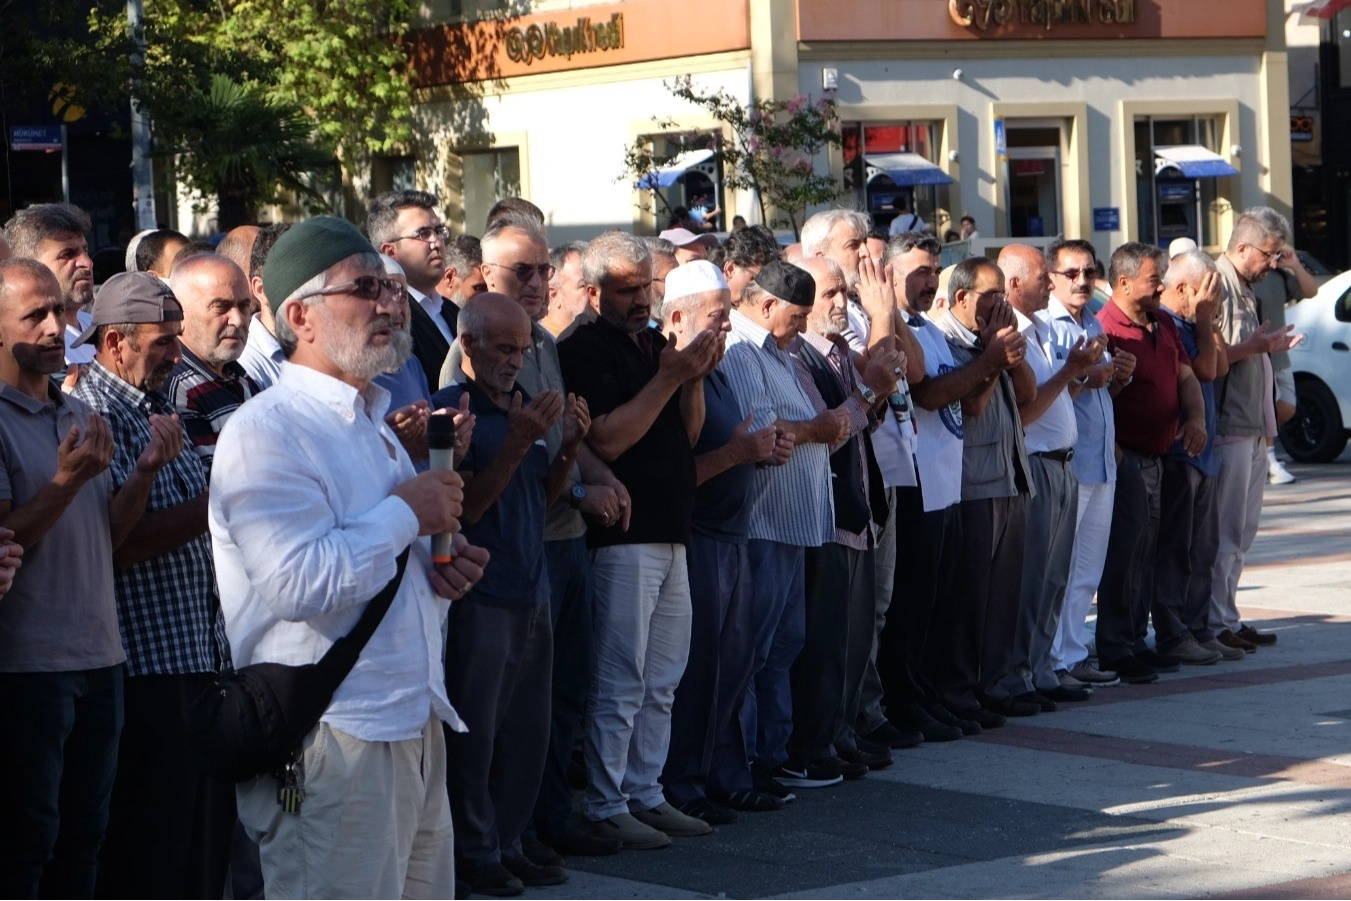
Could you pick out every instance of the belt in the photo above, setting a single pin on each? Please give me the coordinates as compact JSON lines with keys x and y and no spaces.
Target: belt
{"x":1060,"y":456}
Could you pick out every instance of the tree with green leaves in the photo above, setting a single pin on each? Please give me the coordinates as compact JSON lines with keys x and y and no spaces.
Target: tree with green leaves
{"x":772,"y":151}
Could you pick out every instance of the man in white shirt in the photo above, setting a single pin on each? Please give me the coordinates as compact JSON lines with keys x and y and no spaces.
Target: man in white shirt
{"x":262,"y":356}
{"x":304,"y":536}
{"x":1051,"y":432}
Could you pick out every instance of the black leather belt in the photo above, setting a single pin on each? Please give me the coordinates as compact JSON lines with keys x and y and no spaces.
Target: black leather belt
{"x":1060,"y":456}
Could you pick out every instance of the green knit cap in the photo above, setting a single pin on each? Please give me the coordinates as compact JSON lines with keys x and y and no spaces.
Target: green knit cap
{"x":307,"y":249}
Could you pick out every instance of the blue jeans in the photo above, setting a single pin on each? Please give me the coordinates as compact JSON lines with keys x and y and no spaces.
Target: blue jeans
{"x":59,"y":756}
{"x":778,"y":608}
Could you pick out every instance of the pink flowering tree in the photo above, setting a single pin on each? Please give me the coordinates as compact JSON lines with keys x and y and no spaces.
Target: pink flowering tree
{"x":772,"y":150}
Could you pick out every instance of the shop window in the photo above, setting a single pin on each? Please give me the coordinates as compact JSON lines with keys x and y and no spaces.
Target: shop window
{"x":489,"y":176}
{"x":880,"y":179}
{"x":1170,"y":204}
{"x":1034,"y":192}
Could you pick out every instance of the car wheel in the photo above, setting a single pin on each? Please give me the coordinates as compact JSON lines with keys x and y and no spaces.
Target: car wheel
{"x":1315,"y":434}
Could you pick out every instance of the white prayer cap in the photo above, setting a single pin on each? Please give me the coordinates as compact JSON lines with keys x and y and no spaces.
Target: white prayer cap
{"x":695,"y":277}
{"x":1180,"y":246}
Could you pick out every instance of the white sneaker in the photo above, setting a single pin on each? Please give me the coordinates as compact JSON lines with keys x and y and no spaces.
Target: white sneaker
{"x":1277,"y":474}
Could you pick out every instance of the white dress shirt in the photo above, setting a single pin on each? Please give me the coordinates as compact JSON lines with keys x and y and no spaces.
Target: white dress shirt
{"x":85,"y":352}
{"x":305,"y":532}
{"x":432,"y":304}
{"x":1055,"y":429}
{"x":938,"y":451}
{"x":894,"y":439}
{"x":262,"y":356}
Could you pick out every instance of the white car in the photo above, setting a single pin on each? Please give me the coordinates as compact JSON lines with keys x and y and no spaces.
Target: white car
{"x":1322,"y":368}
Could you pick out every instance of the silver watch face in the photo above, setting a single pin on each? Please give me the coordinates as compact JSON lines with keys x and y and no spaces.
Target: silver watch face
{"x":579,"y":492}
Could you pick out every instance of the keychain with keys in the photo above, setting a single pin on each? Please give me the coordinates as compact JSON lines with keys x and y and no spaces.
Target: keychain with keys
{"x":290,"y":794}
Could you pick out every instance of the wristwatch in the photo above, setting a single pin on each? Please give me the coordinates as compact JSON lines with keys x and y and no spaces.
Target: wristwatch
{"x":869,"y":395}
{"x":578,"y":495}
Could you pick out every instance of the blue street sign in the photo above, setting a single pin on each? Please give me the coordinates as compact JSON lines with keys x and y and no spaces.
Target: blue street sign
{"x":1106,"y":219}
{"x":35,"y":137}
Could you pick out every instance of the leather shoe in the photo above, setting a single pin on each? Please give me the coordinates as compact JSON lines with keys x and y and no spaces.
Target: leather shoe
{"x":540,"y":853}
{"x":579,"y":843}
{"x":1010,"y":706}
{"x":887,"y":734}
{"x":1225,"y":652}
{"x":1230,"y":640}
{"x":1248,"y":633}
{"x":872,"y":761}
{"x":914,"y":717}
{"x":946,"y":717}
{"x":1067,"y":693}
{"x":986,"y":719}
{"x":1132,"y":671}
{"x":1160,"y":662}
{"x":1187,"y":650}
{"x":495,"y":880}
{"x":531,"y":873}
{"x":1036,"y":697}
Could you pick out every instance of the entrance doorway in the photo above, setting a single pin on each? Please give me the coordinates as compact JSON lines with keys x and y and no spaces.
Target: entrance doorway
{"x":1034,"y":193}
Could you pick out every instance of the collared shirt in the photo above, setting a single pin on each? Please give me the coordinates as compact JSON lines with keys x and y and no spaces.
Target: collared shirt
{"x":60,"y":613}
{"x":167,"y":606}
{"x":1054,"y":429}
{"x":1204,"y":461}
{"x":791,"y":504}
{"x":540,"y":371}
{"x":860,"y":419}
{"x":1094,"y":418}
{"x":85,"y":352}
{"x":205,"y":400}
{"x":722,"y":508}
{"x":262,"y":356}
{"x":894,"y":440}
{"x":306,"y":532}
{"x":1147,"y":409}
{"x":938,"y":448}
{"x":1242,"y":394}
{"x":432,"y":304}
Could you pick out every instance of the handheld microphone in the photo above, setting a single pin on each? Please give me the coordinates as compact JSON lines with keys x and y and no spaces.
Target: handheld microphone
{"x":441,"y":455}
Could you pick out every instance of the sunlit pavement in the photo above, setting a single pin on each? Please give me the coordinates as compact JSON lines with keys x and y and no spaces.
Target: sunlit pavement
{"x":1228,"y":780}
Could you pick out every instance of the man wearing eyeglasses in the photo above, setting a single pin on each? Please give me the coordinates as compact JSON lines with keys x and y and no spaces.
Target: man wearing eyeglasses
{"x":405,"y":225}
{"x":1245,"y":397}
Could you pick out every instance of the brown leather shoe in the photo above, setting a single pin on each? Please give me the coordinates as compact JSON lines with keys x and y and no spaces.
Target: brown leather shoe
{"x":1248,"y":633}
{"x":1230,"y":640}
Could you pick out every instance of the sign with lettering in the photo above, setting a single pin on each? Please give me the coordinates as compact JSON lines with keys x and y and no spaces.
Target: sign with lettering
{"x":1107,"y":219}
{"x":35,"y":137}
{"x":1048,"y":14}
{"x":525,"y":45}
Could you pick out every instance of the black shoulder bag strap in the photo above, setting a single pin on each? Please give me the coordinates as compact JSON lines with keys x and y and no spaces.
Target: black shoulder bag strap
{"x":338,"y":661}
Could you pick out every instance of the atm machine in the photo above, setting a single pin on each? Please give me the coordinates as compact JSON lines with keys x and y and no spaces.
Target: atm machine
{"x":1177,"y":201}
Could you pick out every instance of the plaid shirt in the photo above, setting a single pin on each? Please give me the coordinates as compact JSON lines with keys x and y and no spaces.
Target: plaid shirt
{"x":205,"y":400}
{"x":168,"y":610}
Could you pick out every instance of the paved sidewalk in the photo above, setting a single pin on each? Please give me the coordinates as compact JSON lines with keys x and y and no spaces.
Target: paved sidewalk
{"x":1232,"y":780}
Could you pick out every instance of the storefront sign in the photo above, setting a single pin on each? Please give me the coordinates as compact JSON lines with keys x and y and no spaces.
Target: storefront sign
{"x":35,"y":137}
{"x":1301,"y":129}
{"x":1106,"y":219}
{"x":525,"y":45}
{"x":1048,"y":14}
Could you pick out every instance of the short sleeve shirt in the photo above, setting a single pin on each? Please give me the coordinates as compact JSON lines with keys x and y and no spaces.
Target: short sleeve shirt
{"x":1146,"y":409}
{"x":512,"y":529}
{"x":205,"y":400}
{"x":1204,"y":461}
{"x":60,"y":614}
{"x":609,"y":367}
{"x":722,"y":508}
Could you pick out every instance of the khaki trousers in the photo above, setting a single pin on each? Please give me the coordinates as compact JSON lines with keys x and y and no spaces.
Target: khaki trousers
{"x":375,"y":822}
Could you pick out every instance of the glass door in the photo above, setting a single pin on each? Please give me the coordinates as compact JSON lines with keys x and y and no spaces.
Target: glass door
{"x":1034,"y":192}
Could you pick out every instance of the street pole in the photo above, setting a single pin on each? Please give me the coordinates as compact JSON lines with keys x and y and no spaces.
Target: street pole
{"x":143,"y":187}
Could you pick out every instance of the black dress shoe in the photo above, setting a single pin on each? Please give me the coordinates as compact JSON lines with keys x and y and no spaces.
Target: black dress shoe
{"x":496,"y":880}
{"x":540,"y":853}
{"x":887,"y":734}
{"x":873,"y":761}
{"x":915,"y":718}
{"x":532,"y":873}
{"x":763,"y":780}
{"x":946,"y":717}
{"x":580,"y":843}
{"x":1010,"y":706}
{"x":1131,"y":671}
{"x":1037,"y":698}
{"x":1248,"y":633}
{"x":1158,"y":662}
{"x":849,"y":769}
{"x":1064,"y":693}
{"x":986,"y":719}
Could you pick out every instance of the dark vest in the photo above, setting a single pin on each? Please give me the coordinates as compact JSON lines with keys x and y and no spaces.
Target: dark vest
{"x":852,"y":510}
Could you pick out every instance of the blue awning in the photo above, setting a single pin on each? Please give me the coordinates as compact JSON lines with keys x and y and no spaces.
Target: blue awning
{"x":907,"y":169}
{"x":675,"y":170}
{"x":1193,"y":161}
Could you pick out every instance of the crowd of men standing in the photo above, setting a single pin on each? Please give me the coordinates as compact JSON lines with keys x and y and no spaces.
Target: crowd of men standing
{"x":736,"y":520}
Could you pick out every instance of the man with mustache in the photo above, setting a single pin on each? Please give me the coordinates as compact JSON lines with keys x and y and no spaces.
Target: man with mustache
{"x":61,"y":658}
{"x":159,"y":842}
{"x":406,"y":226}
{"x":1162,"y":392}
{"x":54,"y":235}
{"x":209,"y":384}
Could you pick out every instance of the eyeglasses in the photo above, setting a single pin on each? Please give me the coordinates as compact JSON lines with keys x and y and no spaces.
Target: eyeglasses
{"x":997,"y":295}
{"x":525,"y":271}
{"x":366,"y":287}
{"x":1073,"y":274}
{"x":427,"y":233}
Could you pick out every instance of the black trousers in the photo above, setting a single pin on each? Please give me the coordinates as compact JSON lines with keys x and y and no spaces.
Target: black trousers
{"x":841,"y":609}
{"x":916,"y":640}
{"x":1127,"y":586}
{"x":1189,"y":539}
{"x":169,"y":828}
{"x":499,"y":664}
